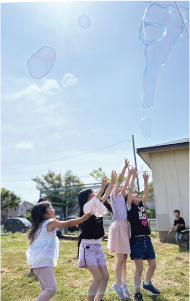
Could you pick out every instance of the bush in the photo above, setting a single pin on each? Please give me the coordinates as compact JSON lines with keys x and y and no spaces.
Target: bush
{"x":150,"y":213}
{"x":28,"y":216}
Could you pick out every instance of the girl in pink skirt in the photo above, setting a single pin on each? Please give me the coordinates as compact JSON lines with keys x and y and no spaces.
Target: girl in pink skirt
{"x":118,"y":240}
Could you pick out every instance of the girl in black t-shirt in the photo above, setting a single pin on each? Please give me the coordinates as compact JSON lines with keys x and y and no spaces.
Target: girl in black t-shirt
{"x":140,"y":242}
{"x":91,"y":254}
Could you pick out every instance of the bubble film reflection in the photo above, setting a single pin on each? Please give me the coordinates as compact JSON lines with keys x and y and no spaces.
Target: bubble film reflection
{"x":84,"y":22}
{"x":41,"y":63}
{"x":160,"y":28}
{"x":146,"y":127}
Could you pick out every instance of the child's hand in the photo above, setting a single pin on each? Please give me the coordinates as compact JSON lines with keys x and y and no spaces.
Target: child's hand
{"x":145,"y":175}
{"x":135,"y":173}
{"x":86,"y":216}
{"x":113,"y":176}
{"x":132,"y":170}
{"x":103,"y":183}
{"x":170,"y":232}
{"x":127,"y":163}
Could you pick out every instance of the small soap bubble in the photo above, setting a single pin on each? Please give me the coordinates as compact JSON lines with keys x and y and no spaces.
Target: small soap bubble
{"x":160,"y":28}
{"x":146,"y":127}
{"x":84,"y":22}
{"x":41,"y":62}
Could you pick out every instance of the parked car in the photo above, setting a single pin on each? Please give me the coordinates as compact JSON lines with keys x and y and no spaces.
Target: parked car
{"x":16,"y":224}
{"x":73,"y":228}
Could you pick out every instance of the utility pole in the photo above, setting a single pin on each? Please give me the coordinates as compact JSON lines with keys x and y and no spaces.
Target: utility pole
{"x":135,"y":161}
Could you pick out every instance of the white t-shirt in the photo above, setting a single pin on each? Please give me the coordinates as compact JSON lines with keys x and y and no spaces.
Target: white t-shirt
{"x":44,"y":251}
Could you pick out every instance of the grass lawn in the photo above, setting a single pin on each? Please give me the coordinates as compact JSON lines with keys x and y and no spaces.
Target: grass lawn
{"x":17,"y":283}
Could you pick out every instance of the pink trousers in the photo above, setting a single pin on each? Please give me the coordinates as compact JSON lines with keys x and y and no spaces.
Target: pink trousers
{"x":47,"y":282}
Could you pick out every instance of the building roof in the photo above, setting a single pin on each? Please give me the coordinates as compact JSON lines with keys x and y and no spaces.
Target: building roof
{"x":169,"y":145}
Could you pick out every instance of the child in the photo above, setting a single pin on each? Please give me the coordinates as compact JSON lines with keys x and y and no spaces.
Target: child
{"x":180,"y":223}
{"x":140,"y":242}
{"x":44,"y":246}
{"x":91,"y":255}
{"x":119,"y":233}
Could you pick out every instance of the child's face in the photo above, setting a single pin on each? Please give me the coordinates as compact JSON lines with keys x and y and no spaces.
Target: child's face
{"x":91,"y":196}
{"x":136,"y":198}
{"x":176,"y":214}
{"x":50,"y":213}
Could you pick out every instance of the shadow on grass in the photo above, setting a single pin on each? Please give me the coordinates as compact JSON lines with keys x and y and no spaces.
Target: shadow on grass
{"x":32,"y":276}
{"x":183,"y":249}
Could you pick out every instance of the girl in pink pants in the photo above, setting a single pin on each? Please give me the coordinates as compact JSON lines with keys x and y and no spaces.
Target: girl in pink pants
{"x":44,"y":246}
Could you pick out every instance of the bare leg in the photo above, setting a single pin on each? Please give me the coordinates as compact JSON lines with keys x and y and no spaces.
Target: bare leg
{"x":138,"y":274}
{"x":118,"y":268}
{"x":104,"y":282}
{"x":97,"y":275}
{"x":123,"y":271}
{"x":150,"y":270}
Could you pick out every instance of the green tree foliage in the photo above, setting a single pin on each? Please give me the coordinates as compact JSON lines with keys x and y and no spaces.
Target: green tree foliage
{"x":9,"y":200}
{"x":98,"y":174}
{"x":57,"y":181}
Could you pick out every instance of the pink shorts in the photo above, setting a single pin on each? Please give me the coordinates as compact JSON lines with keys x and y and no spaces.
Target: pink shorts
{"x":91,"y":254}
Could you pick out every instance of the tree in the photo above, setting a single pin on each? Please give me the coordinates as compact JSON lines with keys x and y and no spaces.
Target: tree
{"x":98,"y":174}
{"x":53,"y":181}
{"x":9,"y":200}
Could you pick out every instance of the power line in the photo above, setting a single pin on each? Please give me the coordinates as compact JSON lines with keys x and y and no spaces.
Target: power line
{"x":68,"y":156}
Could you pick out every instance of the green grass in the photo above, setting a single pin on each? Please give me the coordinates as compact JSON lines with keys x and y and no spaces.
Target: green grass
{"x":17,"y":283}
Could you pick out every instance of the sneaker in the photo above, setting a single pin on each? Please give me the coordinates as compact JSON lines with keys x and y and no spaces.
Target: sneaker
{"x":125,"y":289}
{"x":138,"y":297}
{"x":119,"y":291}
{"x":150,"y":288}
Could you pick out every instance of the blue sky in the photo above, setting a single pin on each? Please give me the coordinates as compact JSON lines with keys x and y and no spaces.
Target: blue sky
{"x":91,"y":98}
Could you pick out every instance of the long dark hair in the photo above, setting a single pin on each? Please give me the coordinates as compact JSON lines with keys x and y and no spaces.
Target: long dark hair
{"x":37,"y":216}
{"x":106,"y":203}
{"x":83,"y":198}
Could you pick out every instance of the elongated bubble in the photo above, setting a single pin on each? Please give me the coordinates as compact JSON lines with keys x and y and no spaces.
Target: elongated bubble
{"x":160,"y":28}
{"x":146,"y":127}
{"x":84,"y":22}
{"x":41,"y":62}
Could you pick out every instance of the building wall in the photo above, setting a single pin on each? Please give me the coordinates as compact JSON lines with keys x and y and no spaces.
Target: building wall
{"x":170,"y":171}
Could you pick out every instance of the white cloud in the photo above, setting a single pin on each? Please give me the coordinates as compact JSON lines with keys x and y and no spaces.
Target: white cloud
{"x":69,"y":80}
{"x":14,"y":96}
{"x":50,"y":86}
{"x":24,"y":145}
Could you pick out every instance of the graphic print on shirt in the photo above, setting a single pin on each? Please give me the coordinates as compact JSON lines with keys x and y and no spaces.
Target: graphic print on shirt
{"x":142,"y":215}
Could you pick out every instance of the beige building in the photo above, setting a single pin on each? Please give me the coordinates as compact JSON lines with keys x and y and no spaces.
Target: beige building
{"x":169,"y":163}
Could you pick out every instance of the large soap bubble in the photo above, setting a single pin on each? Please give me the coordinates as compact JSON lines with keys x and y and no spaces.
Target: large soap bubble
{"x":160,"y":28}
{"x":146,"y":127}
{"x":41,"y":62}
{"x":84,"y":22}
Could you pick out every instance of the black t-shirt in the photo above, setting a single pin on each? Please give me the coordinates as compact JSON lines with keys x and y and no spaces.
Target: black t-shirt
{"x":179,"y":221}
{"x":92,"y":228}
{"x":137,"y":218}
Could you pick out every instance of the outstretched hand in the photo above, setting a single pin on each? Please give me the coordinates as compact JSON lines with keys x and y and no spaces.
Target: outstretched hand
{"x":103,"y":183}
{"x":127,"y":163}
{"x":86,"y":216}
{"x":113,"y":176}
{"x":145,"y":175}
{"x":132,"y":170}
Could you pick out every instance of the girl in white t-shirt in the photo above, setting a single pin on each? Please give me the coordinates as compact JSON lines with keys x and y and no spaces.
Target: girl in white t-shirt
{"x":44,"y":246}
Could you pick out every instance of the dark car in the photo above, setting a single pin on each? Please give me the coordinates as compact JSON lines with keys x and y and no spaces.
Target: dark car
{"x":73,"y":228}
{"x":16,"y":225}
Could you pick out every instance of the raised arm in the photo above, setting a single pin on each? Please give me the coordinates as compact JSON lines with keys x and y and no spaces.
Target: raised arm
{"x":146,"y":190}
{"x":103,"y":184}
{"x":130,"y":172}
{"x":129,"y":196}
{"x":66,"y":224}
{"x":109,"y":189}
{"x":120,"y":178}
